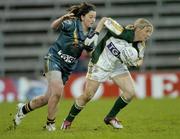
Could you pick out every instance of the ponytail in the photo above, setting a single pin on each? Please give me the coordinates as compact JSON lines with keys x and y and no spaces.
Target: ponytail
{"x":141,"y":23}
{"x":81,"y":9}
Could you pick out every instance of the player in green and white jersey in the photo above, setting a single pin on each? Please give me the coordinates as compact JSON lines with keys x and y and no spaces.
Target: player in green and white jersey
{"x":116,"y":49}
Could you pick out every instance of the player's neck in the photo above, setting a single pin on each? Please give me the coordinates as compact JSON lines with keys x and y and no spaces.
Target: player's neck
{"x":85,"y":29}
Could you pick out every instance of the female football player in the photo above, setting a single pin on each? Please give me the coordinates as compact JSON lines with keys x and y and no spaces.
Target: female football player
{"x":61,"y":59}
{"x":114,"y":52}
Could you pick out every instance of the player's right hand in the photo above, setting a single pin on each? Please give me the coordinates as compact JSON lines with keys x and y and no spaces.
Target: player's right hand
{"x":68,"y":16}
{"x":91,"y":38}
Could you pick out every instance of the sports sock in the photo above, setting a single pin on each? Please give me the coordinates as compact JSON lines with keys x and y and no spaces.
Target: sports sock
{"x":75,"y":109}
{"x":26,"y":108}
{"x":118,"y":105}
{"x":50,"y":121}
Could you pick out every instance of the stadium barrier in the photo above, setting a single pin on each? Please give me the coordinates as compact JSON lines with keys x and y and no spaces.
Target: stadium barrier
{"x":148,"y":84}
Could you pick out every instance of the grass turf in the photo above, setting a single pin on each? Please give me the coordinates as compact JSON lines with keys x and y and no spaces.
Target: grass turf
{"x":147,"y":118}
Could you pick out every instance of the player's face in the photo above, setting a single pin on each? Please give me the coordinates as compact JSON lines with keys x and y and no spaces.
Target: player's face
{"x":144,"y":34}
{"x":89,"y":19}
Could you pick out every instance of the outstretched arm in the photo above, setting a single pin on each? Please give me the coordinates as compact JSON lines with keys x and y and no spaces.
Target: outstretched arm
{"x":56,"y":23}
{"x":100,"y":25}
{"x":110,"y":24}
{"x":93,"y":37}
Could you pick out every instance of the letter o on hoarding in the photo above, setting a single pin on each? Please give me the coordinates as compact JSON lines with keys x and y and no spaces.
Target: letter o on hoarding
{"x":78,"y":85}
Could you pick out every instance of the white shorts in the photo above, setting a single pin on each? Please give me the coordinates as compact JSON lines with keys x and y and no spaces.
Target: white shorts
{"x":101,"y":75}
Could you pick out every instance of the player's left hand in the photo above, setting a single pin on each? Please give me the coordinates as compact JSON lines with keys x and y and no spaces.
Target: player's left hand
{"x":130,"y":63}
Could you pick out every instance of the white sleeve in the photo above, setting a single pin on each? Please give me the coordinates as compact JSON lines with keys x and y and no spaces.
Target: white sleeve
{"x":113,"y":26}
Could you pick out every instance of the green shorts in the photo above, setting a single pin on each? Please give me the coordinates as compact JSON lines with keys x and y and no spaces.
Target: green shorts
{"x":53,"y":65}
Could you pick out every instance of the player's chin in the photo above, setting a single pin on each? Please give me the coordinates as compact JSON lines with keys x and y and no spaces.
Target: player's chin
{"x":144,"y":39}
{"x":91,"y":25}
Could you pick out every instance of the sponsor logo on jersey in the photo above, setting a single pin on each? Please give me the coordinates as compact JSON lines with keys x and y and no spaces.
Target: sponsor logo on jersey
{"x":66,"y":58}
{"x":113,"y":50}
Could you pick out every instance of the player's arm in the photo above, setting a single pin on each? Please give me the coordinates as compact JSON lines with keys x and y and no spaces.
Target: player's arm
{"x":119,"y":31}
{"x":133,"y":57}
{"x":92,"y":38}
{"x":56,"y":23}
{"x":141,"y":47}
{"x":110,"y":24}
{"x":138,"y":63}
{"x":101,"y":24}
{"x":113,"y":27}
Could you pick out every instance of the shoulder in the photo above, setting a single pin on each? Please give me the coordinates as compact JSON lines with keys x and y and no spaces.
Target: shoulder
{"x":113,"y":26}
{"x":69,"y":24}
{"x":128,"y":35}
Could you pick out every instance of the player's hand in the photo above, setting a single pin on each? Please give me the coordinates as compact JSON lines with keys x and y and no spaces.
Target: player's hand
{"x":91,"y":38}
{"x":129,"y":56}
{"x":130,"y":63}
{"x":56,"y":23}
{"x":68,"y":16}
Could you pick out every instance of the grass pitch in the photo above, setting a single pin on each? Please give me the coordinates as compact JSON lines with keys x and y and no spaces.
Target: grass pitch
{"x":148,"y":118}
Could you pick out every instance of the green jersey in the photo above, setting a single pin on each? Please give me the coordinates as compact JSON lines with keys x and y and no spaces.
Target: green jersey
{"x":69,"y":45}
{"x":127,"y":35}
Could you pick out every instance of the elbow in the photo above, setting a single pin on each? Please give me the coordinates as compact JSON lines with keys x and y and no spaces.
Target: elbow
{"x":139,"y":63}
{"x":103,"y":20}
{"x":53,"y":26}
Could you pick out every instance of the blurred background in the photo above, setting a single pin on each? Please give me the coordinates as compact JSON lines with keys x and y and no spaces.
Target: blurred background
{"x":25,"y":35}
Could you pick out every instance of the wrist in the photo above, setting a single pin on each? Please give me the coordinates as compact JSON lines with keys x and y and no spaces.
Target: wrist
{"x":96,"y":32}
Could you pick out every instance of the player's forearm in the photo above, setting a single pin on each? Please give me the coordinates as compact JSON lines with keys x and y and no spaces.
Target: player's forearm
{"x":55,"y":24}
{"x":100,"y":24}
{"x":139,"y":62}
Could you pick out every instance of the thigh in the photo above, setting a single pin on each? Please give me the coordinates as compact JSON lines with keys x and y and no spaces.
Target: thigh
{"x":55,"y":70}
{"x":96,"y":73}
{"x":54,"y":78}
{"x":125,"y":82}
{"x":90,"y":89}
{"x":54,"y":75}
{"x":91,"y":86}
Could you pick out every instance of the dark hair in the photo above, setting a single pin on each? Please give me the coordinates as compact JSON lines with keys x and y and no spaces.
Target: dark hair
{"x":81,"y":9}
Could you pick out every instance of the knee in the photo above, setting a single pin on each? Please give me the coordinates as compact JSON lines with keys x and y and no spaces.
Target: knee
{"x":42,"y":99}
{"x":83,"y":99}
{"x":129,"y":94}
{"x":56,"y":88}
{"x":87,"y":96}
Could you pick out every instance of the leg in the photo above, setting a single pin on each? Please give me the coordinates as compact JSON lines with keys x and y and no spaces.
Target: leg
{"x":56,"y":89}
{"x":40,"y":101}
{"x":81,"y":101}
{"x":125,"y":82}
{"x":37,"y":102}
{"x":23,"y":109}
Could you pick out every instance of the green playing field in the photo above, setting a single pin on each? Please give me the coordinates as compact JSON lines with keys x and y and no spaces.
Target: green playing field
{"x":147,"y":118}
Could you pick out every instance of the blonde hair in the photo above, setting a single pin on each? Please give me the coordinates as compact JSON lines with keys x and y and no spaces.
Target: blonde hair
{"x":140,"y":23}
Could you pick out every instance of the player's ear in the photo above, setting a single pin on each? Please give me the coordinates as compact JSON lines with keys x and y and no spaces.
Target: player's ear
{"x":82,"y":17}
{"x":137,"y":31}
